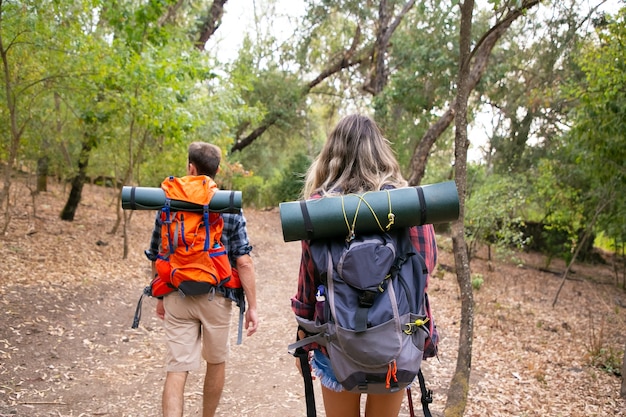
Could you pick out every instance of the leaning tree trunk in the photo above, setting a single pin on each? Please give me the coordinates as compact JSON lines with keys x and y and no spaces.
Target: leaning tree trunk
{"x":79,"y":180}
{"x":15,"y":131}
{"x":623,"y":390}
{"x":459,"y":386}
{"x":588,"y":232}
{"x":345,"y":60}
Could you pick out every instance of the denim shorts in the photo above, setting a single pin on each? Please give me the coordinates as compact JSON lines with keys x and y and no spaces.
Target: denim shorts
{"x":322,"y":369}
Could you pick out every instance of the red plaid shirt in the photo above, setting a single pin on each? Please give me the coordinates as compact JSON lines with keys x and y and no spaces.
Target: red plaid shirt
{"x":303,"y":303}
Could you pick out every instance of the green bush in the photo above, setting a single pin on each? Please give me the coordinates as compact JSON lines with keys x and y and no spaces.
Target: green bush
{"x":495,"y":213}
{"x":477,"y":281}
{"x":251,"y":188}
{"x":290,"y":182}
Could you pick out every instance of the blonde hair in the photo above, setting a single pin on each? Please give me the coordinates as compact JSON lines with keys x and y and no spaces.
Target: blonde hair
{"x":356,"y":158}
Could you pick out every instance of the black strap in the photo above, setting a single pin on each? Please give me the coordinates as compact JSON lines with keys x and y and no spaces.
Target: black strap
{"x":360,"y":319}
{"x":308,"y":224}
{"x":242,"y":309}
{"x":309,"y":394}
{"x":427,"y":395}
{"x":420,"y":196}
{"x":231,"y":202}
{"x":137,"y":313}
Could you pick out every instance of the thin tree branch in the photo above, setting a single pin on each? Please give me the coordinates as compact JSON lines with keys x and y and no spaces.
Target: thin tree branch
{"x":210,"y":23}
{"x":599,"y":209}
{"x":344,"y":61}
{"x":170,"y":13}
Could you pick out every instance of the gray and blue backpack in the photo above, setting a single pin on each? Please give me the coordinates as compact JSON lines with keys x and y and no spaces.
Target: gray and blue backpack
{"x":372,"y":315}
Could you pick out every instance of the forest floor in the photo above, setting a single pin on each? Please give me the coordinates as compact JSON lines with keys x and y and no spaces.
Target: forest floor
{"x":68,"y":296}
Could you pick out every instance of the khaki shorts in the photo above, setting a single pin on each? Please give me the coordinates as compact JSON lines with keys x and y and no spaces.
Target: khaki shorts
{"x":195,"y":324}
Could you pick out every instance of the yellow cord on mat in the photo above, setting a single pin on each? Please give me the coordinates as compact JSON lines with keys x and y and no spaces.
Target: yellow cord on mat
{"x":351,"y":233}
{"x":390,"y":216}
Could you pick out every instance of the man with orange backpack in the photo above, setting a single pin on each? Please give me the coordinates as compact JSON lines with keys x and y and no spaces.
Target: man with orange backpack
{"x":197,"y":317}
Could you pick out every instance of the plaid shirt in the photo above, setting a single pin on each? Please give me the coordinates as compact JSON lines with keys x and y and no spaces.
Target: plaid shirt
{"x":303,"y":303}
{"x":234,"y":237}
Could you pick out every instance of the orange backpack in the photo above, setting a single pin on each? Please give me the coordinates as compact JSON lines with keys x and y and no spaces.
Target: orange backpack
{"x":192,"y":258}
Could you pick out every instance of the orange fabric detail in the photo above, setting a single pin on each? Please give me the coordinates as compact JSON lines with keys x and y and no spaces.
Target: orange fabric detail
{"x":197,"y":189}
{"x":159,"y":288}
{"x":234,"y":281}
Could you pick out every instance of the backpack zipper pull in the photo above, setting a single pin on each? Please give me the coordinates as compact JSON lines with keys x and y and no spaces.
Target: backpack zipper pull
{"x":392,"y":385}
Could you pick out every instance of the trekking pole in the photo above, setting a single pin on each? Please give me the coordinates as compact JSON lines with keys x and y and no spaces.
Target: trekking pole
{"x":410,"y":398}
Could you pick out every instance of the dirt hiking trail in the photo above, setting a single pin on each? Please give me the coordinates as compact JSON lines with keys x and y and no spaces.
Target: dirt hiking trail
{"x":68,"y":297}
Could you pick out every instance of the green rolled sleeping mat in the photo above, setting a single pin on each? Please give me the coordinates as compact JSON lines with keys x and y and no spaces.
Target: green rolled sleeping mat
{"x":369,"y":212}
{"x":151,"y":198}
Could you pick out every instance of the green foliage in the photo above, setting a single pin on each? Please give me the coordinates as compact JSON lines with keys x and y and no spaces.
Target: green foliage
{"x":522,"y":86}
{"x":121,"y":75}
{"x":607,"y":359}
{"x":477,"y":281}
{"x":233,"y":176}
{"x":596,"y":143}
{"x":422,"y":79}
{"x":31,"y":51}
{"x":560,"y":208}
{"x":580,"y":181}
{"x":291,"y":180}
{"x":273,"y":93}
{"x":252,"y":190}
{"x":495,"y":212}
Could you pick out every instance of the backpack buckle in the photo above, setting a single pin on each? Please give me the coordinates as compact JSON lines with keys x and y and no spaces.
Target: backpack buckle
{"x":366,"y":298}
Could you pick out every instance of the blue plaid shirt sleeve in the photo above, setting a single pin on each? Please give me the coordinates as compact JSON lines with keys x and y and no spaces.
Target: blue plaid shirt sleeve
{"x":155,"y":240}
{"x":235,"y":236}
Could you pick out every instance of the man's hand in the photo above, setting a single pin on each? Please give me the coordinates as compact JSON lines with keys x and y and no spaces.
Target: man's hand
{"x":252,"y":321}
{"x":160,"y":309}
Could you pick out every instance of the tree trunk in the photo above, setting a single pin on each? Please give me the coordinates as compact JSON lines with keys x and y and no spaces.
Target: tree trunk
{"x":459,"y":386}
{"x":623,"y":390}
{"x":210,"y":23}
{"x":379,"y":71}
{"x":42,"y":174}
{"x":127,"y":214}
{"x":79,"y":180}
{"x":15,"y":131}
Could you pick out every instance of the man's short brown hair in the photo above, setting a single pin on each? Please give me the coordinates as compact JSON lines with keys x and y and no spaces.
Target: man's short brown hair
{"x":205,"y":157}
